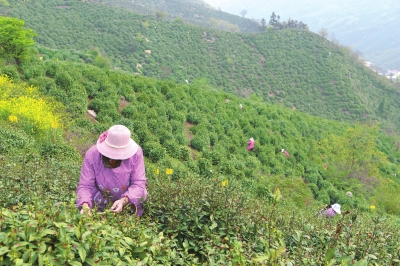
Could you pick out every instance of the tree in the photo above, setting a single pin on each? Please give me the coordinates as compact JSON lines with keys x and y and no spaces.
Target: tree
{"x":323,"y":32}
{"x":272,"y":19}
{"x":263,"y":24}
{"x":161,"y":15}
{"x":4,"y":3}
{"x":243,"y":12}
{"x":15,"y":40}
{"x":354,"y":155}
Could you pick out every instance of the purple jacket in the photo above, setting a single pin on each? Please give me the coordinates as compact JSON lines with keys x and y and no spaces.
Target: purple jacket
{"x":98,"y":184}
{"x":330,"y":212}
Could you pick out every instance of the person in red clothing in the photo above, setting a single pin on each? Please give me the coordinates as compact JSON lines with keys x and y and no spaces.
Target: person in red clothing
{"x":250,"y":144}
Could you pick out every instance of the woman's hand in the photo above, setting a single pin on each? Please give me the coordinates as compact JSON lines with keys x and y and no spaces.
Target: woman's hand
{"x":119,"y":204}
{"x":86,"y":209}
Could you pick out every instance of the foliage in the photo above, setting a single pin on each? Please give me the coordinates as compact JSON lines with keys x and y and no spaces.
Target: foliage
{"x":353,"y":155}
{"x":218,"y":203}
{"x":291,"y":67}
{"x":15,"y":40}
{"x":68,"y":238}
{"x":387,"y":196}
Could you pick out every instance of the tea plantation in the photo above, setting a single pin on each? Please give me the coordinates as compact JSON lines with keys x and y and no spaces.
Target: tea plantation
{"x":211,"y":202}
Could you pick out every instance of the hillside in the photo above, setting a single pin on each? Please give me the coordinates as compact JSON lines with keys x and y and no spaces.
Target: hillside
{"x":196,"y":12}
{"x":297,"y":69}
{"x":210,"y":201}
{"x":368,"y":26}
{"x":221,"y":202}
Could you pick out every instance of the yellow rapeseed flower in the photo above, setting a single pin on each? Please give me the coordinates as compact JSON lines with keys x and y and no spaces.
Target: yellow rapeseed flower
{"x":27,"y":104}
{"x":157,"y":171}
{"x":372,"y":207}
{"x":54,"y":124}
{"x":13,"y":118}
{"x":169,"y":171}
{"x":224,"y":183}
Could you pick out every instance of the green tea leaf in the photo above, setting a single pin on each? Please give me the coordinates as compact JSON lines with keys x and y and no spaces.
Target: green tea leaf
{"x":262,"y":258}
{"x":48,"y":232}
{"x":19,"y":245}
{"x":42,"y":248}
{"x":82,"y":253}
{"x":213,"y":226}
{"x":33,"y":237}
{"x":129,"y":241}
{"x":329,"y":255}
{"x":26,"y":254}
{"x":121,"y":251}
{"x":143,"y":244}
{"x":86,"y":234}
{"x":3,"y":250}
{"x":362,"y":262}
{"x":34,"y":256}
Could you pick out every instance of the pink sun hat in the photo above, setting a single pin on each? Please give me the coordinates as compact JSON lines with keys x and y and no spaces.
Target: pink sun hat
{"x":116,"y":143}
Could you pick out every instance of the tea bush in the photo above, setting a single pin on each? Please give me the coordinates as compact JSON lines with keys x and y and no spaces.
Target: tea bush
{"x":12,"y":139}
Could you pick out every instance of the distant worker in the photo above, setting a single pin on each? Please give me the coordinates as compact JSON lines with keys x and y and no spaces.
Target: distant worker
{"x":250,"y":144}
{"x":330,"y":212}
{"x":241,"y":106}
{"x":286,"y":153}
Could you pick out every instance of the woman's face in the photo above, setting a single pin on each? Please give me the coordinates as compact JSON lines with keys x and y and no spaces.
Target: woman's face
{"x":111,"y":163}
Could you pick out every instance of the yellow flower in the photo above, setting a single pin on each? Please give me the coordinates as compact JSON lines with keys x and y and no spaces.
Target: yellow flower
{"x":372,"y":207}
{"x":27,"y":103}
{"x":169,"y":171}
{"x":224,"y":183}
{"x":157,"y":171}
{"x":13,"y":118}
{"x":54,"y":124}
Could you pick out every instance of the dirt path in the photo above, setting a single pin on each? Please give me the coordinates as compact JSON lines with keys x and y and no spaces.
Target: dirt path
{"x":189,"y":137}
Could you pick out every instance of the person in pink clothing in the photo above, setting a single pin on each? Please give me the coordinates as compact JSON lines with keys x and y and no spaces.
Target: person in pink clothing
{"x":112,"y":171}
{"x":250,"y":144}
{"x":286,"y":153}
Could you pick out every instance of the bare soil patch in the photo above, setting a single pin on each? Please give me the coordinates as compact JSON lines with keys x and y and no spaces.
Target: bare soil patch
{"x":189,"y":137}
{"x":122,"y":104}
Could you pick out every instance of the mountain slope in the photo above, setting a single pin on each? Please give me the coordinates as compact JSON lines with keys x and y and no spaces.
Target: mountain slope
{"x":368,"y":26}
{"x":193,"y":11}
{"x":297,"y":69}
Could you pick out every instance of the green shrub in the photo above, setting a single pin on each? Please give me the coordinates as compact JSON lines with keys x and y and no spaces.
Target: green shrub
{"x":98,"y":104}
{"x":14,"y":140}
{"x":200,"y":142}
{"x":52,"y":68}
{"x":113,"y":113}
{"x":63,"y":80}
{"x":11,"y":71}
{"x":154,"y":151}
{"x":172,"y":148}
{"x":59,"y":94}
{"x":70,"y":239}
{"x":59,"y":150}
{"x":205,"y":167}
